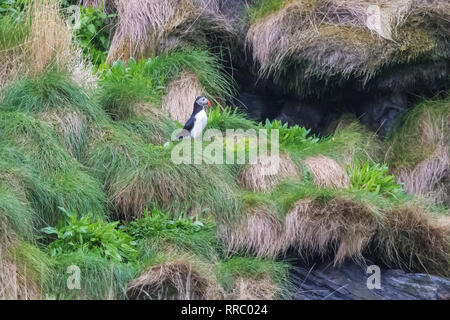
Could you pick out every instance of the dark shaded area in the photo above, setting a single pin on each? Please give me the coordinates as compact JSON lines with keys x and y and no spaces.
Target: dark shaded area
{"x":322,"y":281}
{"x":379,"y":104}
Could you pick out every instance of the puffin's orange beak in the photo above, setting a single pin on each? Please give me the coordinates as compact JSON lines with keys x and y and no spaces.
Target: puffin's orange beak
{"x":209,"y":103}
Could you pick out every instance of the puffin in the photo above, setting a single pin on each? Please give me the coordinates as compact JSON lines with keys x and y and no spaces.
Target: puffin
{"x":197,"y":122}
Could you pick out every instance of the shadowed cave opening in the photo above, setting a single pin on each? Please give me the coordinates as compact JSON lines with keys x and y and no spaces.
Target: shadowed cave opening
{"x":379,"y":104}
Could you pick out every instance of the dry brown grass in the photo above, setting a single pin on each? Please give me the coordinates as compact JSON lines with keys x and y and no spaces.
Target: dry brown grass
{"x":260,"y":232}
{"x":50,"y":39}
{"x":253,"y":289}
{"x":430,"y":178}
{"x":419,"y":154}
{"x":15,"y":282}
{"x":11,"y":65}
{"x":253,"y":177}
{"x":147,"y":28}
{"x":341,"y":226}
{"x":48,"y":44}
{"x":415,"y":240}
{"x":313,"y":40}
{"x":180,"y":279}
{"x":180,"y":96}
{"x":130,"y":199}
{"x":327,"y":172}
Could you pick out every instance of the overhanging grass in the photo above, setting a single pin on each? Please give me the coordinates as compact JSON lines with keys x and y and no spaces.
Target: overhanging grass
{"x":54,"y":98}
{"x":15,"y":210}
{"x":308,"y":49}
{"x":247,"y":267}
{"x":100,"y":279}
{"x":156,"y":231}
{"x":51,"y":91}
{"x":349,"y":142}
{"x":53,"y":178}
{"x":25,"y":270}
{"x":122,"y":87}
{"x":418,"y":133}
{"x":136,"y":175}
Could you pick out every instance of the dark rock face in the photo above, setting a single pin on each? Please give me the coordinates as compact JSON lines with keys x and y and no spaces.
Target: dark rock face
{"x":381,"y":113}
{"x":349,"y":282}
{"x":306,"y":114}
{"x":258,"y":107}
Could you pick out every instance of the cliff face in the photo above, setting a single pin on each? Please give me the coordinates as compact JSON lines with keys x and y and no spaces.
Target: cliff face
{"x":349,"y":282}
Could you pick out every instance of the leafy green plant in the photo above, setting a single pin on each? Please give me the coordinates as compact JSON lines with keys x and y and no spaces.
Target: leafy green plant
{"x":87,"y":234}
{"x":157,"y":223}
{"x":7,"y":7}
{"x":228,"y":118}
{"x":373,"y":179}
{"x":12,"y":7}
{"x":93,"y":33}
{"x":125,"y":83}
{"x":156,"y":230}
{"x":288,"y":136}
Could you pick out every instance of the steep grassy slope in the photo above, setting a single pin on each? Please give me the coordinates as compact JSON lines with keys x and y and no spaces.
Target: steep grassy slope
{"x":87,"y":179}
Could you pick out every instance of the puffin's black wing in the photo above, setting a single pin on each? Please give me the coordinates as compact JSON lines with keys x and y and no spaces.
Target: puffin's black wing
{"x":189,"y":124}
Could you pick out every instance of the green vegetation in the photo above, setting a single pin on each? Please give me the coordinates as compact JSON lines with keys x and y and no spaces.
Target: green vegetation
{"x":265,"y":7}
{"x":94,"y":33}
{"x":228,"y":119}
{"x":124,"y":85}
{"x":52,"y":91}
{"x":253,"y":268}
{"x":88,"y":235}
{"x":156,"y":230}
{"x":373,"y":179}
{"x":237,"y":267}
{"x":292,"y":136}
{"x":134,"y":219}
{"x":101,"y":278}
{"x":11,"y":7}
{"x":425,"y":125}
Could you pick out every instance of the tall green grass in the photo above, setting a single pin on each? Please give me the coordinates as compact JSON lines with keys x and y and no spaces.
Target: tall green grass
{"x":228,"y":119}
{"x":15,"y":211}
{"x":138,"y":175}
{"x":13,"y":31}
{"x":100,"y":279}
{"x":263,"y":8}
{"x":54,"y":178}
{"x":254,"y":268}
{"x":54,"y":98}
{"x":418,"y":133}
{"x":124,"y":85}
{"x":50,"y":92}
{"x":157,"y":230}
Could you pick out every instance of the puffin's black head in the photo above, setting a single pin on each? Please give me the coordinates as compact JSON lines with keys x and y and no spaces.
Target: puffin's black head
{"x":202,"y":102}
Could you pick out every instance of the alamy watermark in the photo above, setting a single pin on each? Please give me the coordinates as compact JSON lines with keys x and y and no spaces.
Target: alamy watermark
{"x":374,"y":279}
{"x":232,"y":147}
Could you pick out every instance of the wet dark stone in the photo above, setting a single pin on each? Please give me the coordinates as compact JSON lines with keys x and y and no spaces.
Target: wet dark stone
{"x":306,"y":114}
{"x":382,"y":113}
{"x":349,"y":282}
{"x":258,"y":107}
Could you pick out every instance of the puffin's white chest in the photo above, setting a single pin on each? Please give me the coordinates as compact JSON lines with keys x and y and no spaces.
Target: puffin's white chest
{"x":200,"y":123}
